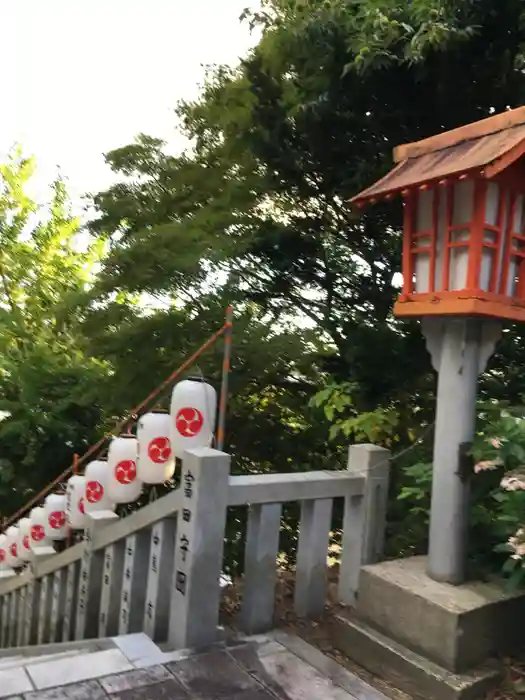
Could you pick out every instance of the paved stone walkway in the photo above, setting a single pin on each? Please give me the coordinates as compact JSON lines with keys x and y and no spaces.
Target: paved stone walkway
{"x":276,"y":666}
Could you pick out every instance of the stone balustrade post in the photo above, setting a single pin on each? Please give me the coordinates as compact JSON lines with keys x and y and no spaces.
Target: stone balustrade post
{"x":134,"y":582}
{"x":112,"y":579}
{"x":160,"y":574}
{"x":312,"y":553}
{"x":199,"y":545}
{"x":58,"y":604}
{"x":90,"y":583}
{"x":70,"y":606}
{"x":260,"y":567}
{"x":365,"y":517}
{"x":44,"y":609}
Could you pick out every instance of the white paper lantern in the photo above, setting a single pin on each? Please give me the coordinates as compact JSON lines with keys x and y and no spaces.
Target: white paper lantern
{"x":12,"y":557}
{"x":3,"y":553}
{"x":37,"y":532}
{"x":55,"y":525}
{"x":193,"y":410}
{"x":24,"y":546}
{"x":124,"y":486}
{"x":96,"y":489}
{"x":156,"y":461}
{"x":75,"y":511}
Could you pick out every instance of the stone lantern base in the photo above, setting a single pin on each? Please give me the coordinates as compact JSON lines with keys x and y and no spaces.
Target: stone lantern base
{"x":431,"y":639}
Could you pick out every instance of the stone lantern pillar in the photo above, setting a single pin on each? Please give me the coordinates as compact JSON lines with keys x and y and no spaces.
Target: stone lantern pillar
{"x":463,"y":195}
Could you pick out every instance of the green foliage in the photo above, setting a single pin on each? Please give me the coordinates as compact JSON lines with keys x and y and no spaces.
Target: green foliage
{"x":383,"y":33}
{"x":48,"y":388}
{"x":256,"y":213}
{"x":378,"y":426}
{"x":497,"y":512}
{"x":419,"y":477}
{"x":499,"y":450}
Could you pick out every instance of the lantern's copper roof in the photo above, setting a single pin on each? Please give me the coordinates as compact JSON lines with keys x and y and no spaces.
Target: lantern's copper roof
{"x":486,"y":147}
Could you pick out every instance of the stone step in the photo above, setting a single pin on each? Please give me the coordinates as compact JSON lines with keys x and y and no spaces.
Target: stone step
{"x":403,"y":668}
{"x":23,"y":656}
{"x":50,"y":665}
{"x":20,"y":661}
{"x":56,"y":648}
{"x":277,"y":665}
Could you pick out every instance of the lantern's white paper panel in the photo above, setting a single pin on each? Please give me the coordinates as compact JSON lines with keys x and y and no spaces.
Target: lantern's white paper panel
{"x":462,"y":216}
{"x":193,"y":410}
{"x":24,"y":546}
{"x":75,"y":497}
{"x":12,"y":547}
{"x":518,"y":226}
{"x":96,"y":489}
{"x":3,"y":553}
{"x":55,"y":525}
{"x":156,"y":461}
{"x":124,"y":486}
{"x":37,"y":520}
{"x":423,"y":223}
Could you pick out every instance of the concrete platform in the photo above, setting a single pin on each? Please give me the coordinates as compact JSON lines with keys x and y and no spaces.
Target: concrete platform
{"x":456,"y":627}
{"x":271,"y":667}
{"x":406,"y":670}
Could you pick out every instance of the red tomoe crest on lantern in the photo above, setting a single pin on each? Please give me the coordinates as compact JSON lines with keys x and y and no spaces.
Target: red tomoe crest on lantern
{"x":159,"y":450}
{"x":37,"y":527}
{"x":57,"y":519}
{"x":55,"y":523}
{"x":193,"y":410}
{"x":24,"y":526}
{"x":37,"y":533}
{"x":123,"y":484}
{"x":189,"y":421}
{"x":2,"y":555}
{"x":126,"y":471}
{"x":94,"y":491}
{"x":155,"y":457}
{"x":12,"y":547}
{"x":76,"y":488}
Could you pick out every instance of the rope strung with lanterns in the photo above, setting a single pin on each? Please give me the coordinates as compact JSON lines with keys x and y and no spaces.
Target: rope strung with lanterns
{"x":131,"y":462}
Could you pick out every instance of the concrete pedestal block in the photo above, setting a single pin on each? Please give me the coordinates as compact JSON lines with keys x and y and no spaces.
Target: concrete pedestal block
{"x":420,"y":678}
{"x":457,"y":627}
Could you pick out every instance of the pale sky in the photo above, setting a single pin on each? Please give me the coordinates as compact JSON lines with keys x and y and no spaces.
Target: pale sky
{"x":81,"y":77}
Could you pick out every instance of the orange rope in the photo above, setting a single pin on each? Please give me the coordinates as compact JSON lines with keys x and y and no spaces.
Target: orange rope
{"x":133,"y":415}
{"x":70,"y":529}
{"x":226,"y":368}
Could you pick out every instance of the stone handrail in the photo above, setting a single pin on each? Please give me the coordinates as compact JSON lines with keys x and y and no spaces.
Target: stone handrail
{"x":303,"y":486}
{"x":159,"y":569}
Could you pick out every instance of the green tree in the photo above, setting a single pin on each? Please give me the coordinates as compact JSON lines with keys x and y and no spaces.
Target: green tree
{"x":48,"y":388}
{"x":257,"y":209}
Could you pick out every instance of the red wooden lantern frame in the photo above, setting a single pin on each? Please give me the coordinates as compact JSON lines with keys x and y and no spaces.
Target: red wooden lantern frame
{"x":508,"y":246}
{"x":492,"y":271}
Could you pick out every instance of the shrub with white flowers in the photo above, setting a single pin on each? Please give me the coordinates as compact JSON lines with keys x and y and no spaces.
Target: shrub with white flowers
{"x":499,"y":449}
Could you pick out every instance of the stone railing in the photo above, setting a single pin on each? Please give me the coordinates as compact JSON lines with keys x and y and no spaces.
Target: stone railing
{"x":159,"y":569}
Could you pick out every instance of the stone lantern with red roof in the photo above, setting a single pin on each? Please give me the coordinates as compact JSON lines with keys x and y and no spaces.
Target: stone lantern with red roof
{"x":463,"y":195}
